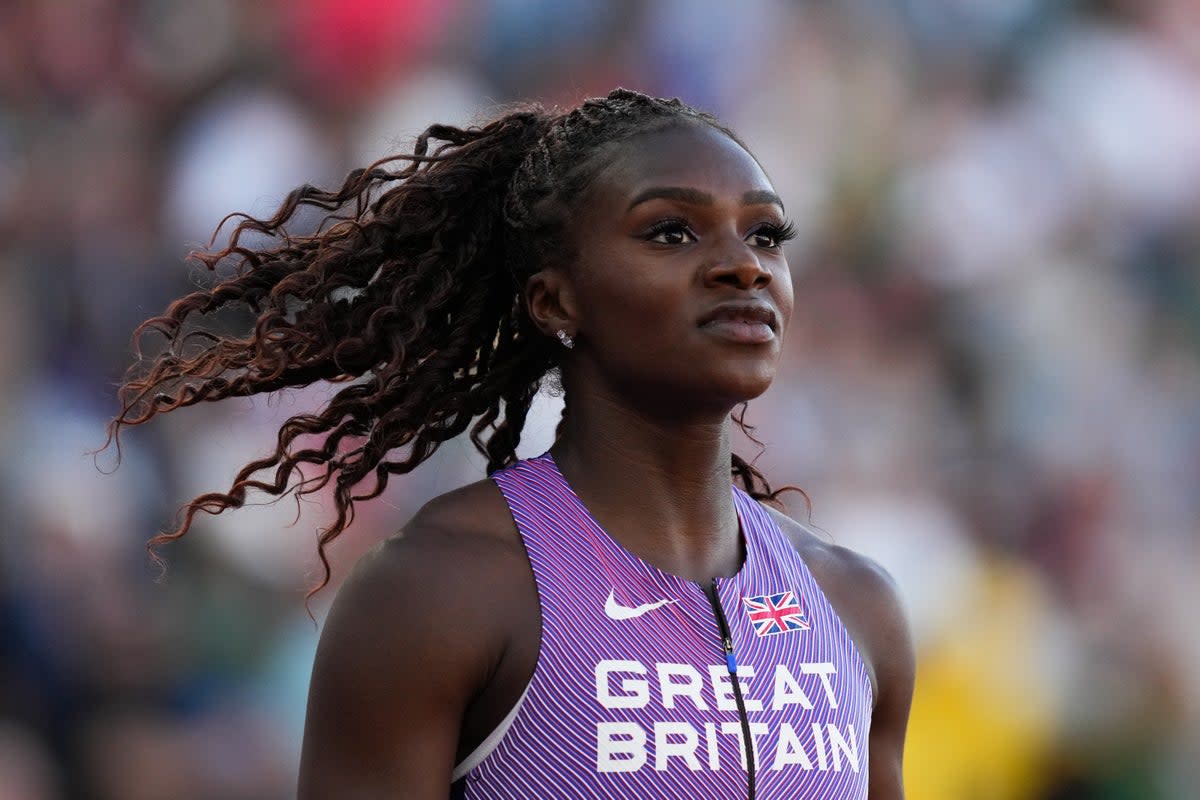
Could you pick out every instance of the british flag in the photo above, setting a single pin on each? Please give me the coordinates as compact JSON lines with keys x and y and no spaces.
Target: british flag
{"x":776,"y":613}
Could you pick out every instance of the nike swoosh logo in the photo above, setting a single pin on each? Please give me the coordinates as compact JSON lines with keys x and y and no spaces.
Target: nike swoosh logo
{"x":615,"y":610}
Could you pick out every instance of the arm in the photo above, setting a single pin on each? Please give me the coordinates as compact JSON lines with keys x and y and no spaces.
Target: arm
{"x":865,"y":598}
{"x":891,"y":654}
{"x":405,"y":649}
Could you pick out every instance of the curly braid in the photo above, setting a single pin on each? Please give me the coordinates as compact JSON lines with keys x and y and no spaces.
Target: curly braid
{"x":414,"y":299}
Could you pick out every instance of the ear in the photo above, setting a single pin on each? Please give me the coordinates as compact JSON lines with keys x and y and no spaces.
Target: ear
{"x":550,"y":299}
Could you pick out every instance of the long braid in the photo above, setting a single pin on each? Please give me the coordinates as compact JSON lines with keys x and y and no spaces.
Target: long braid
{"x":411,"y":293}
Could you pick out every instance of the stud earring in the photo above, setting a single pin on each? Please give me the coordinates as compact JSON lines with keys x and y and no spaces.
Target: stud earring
{"x":565,"y":338}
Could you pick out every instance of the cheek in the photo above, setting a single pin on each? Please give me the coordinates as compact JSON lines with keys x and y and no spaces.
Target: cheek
{"x":621,"y":291}
{"x":784,"y":297}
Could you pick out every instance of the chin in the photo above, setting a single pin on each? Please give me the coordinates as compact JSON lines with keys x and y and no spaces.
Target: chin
{"x":744,"y":386}
{"x":713,"y":391}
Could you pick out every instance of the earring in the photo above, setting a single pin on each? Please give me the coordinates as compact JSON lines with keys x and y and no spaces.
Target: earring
{"x":565,"y":338}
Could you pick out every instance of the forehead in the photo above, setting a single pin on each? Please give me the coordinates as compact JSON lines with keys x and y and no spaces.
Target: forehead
{"x":688,"y":154}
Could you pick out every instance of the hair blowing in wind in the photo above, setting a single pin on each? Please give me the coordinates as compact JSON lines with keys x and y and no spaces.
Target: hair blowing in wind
{"x":410,"y":296}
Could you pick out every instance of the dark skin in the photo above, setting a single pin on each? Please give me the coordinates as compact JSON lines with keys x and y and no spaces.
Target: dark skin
{"x":398,"y":697}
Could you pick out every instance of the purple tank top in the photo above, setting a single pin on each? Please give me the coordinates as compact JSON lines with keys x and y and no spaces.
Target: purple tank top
{"x":632,"y":694}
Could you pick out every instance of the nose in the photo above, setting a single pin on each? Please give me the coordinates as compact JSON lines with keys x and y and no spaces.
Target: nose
{"x":737,"y":266}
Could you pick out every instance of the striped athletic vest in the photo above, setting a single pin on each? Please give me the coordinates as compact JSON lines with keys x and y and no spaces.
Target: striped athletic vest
{"x":632,"y":694}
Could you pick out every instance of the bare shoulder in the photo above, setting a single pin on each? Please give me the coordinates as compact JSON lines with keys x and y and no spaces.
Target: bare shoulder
{"x":420,"y":627}
{"x":840,"y":570}
{"x":458,"y":545}
{"x":453,"y":539}
{"x":865,"y":597}
{"x":868,"y":603}
{"x":866,"y":600}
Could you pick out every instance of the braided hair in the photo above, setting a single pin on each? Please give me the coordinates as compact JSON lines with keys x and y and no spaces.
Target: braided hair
{"x":410,"y":293}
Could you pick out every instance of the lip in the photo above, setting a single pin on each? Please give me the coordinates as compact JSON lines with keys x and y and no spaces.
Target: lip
{"x":747,"y":322}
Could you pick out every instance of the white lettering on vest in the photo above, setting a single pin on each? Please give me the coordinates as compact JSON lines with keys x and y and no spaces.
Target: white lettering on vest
{"x":839,"y":745}
{"x":620,"y":747}
{"x":684,"y":747}
{"x":723,"y":687}
{"x":710,"y":740}
{"x":689,"y":686}
{"x":624,"y":746}
{"x":787,"y":690}
{"x":824,"y":670}
{"x":822,"y":762}
{"x":790,"y":749}
{"x":636,"y":692}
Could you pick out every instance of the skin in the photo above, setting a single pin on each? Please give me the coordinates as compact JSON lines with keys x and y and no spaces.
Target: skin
{"x":398,"y":696}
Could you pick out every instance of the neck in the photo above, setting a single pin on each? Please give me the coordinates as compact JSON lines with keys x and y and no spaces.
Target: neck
{"x":659,"y":486}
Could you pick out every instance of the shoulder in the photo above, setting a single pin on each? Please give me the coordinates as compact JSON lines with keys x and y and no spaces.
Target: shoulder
{"x":462,"y":538}
{"x":419,"y":630}
{"x":459,"y":547}
{"x":866,"y":599}
{"x":474,"y":519}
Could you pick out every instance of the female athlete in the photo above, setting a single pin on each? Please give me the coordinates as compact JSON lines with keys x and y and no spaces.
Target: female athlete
{"x":615,"y":618}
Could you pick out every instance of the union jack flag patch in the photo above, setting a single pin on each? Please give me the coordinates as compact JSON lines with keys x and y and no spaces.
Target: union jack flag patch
{"x":776,"y":613}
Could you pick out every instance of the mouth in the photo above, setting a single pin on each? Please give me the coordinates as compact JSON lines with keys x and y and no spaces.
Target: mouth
{"x":744,"y":322}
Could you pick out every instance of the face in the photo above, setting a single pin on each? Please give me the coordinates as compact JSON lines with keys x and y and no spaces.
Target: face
{"x":679,"y":292}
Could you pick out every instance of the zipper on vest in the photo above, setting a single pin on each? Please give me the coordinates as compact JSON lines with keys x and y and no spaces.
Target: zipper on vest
{"x":731,"y":663}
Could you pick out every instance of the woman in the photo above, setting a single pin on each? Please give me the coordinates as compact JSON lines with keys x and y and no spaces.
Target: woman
{"x":572,"y":626}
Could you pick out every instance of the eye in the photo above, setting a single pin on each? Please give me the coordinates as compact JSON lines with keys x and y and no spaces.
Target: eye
{"x":771,"y":235}
{"x":670,"y":231}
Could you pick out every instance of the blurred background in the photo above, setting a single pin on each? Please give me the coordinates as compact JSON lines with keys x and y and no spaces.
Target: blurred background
{"x":993,"y":377}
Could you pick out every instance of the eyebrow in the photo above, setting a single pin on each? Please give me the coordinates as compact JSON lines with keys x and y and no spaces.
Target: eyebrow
{"x":761,"y":197}
{"x":696,"y":197}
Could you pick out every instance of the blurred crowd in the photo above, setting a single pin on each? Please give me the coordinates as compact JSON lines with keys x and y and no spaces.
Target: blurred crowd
{"x":992,"y":381}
